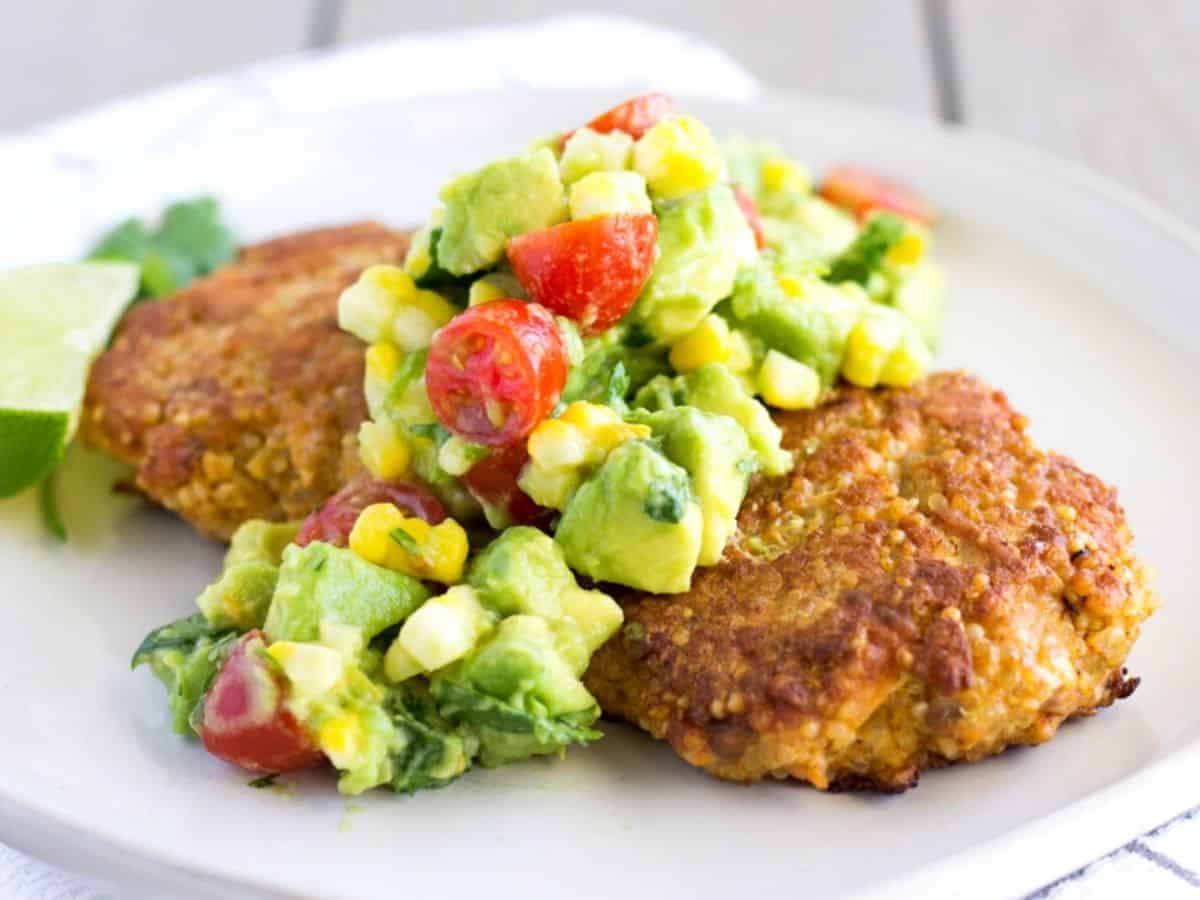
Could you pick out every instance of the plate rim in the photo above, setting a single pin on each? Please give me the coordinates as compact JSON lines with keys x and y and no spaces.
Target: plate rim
{"x":51,"y":835}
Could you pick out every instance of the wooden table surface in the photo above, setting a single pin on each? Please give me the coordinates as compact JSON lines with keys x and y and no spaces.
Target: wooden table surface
{"x":1109,"y":83}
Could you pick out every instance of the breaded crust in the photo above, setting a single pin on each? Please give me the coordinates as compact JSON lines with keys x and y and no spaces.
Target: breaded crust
{"x":926,"y":587}
{"x":239,"y":397}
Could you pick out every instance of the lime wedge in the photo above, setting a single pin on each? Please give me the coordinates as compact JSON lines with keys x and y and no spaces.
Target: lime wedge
{"x":54,"y":320}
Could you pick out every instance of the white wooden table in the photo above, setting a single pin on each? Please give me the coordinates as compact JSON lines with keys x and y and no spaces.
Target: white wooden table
{"x":1110,"y":83}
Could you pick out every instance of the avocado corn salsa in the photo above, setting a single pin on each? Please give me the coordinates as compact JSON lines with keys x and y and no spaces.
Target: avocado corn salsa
{"x":569,"y":383}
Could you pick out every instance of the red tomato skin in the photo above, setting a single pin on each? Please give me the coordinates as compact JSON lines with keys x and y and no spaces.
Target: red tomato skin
{"x":635,"y":116}
{"x":503,"y":360}
{"x":245,"y":721}
{"x":494,"y":480}
{"x":590,"y":271}
{"x":334,"y":520}
{"x":750,"y":211}
{"x":861,"y":192}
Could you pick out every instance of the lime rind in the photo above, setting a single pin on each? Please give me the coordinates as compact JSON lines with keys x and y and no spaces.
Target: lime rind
{"x":32,"y":443}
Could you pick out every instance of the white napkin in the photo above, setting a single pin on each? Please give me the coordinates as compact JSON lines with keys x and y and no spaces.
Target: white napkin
{"x":562,"y":53}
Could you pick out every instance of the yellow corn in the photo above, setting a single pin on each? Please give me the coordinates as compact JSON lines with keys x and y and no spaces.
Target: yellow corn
{"x":708,"y":342}
{"x":787,"y":383}
{"x":436,"y":552}
{"x":383,"y":360}
{"x":484,"y":291}
{"x":870,"y":345}
{"x":678,"y":156}
{"x":741,"y":354}
{"x":342,"y":739}
{"x":792,"y":286}
{"x":608,"y":193}
{"x":383,"y":449}
{"x":557,"y":443}
{"x":910,"y":249}
{"x":601,"y":425}
{"x":785,"y":175}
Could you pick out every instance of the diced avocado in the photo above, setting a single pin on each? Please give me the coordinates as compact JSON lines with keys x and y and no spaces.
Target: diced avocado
{"x":919,"y":295}
{"x":703,"y":239}
{"x":450,"y":490}
{"x":521,"y":571}
{"x":811,"y":323}
{"x":261,"y":540}
{"x":634,"y":522}
{"x":588,"y":151}
{"x":185,"y":656}
{"x":520,"y":662}
{"x":524,"y":571}
{"x":612,"y":367}
{"x":321,"y":581}
{"x":715,"y":451}
{"x":500,"y":201}
{"x":715,"y":389}
{"x":241,"y":596}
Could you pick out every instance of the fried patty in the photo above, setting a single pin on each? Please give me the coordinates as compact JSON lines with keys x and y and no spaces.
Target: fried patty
{"x":239,"y":397}
{"x":926,"y":587}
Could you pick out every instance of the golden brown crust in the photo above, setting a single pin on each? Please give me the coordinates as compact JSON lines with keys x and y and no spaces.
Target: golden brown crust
{"x":926,"y":587}
{"x":239,"y":397}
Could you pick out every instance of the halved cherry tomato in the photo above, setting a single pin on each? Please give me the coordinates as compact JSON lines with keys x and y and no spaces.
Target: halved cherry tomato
{"x":750,"y":211}
{"x":493,"y":480}
{"x":591,"y":270}
{"x":245,"y":721}
{"x":862,"y":191}
{"x":333,"y":522}
{"x":635,"y":116}
{"x":496,"y":370}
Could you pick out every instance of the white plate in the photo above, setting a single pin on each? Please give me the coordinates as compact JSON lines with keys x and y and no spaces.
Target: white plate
{"x":1070,"y":294}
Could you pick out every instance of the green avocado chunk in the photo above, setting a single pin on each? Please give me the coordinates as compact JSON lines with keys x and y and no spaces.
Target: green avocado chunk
{"x":185,"y":656}
{"x":614,"y":364}
{"x":242,"y":595}
{"x":812,"y":328}
{"x":919,"y":295}
{"x":717,"y":390}
{"x":500,"y":201}
{"x":524,"y":571}
{"x":321,"y":581}
{"x":715,"y":451}
{"x":262,"y":541}
{"x":703,"y":239}
{"x":634,"y":522}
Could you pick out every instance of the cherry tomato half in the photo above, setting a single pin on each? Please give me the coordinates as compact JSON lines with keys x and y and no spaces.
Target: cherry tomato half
{"x":245,"y":721}
{"x":750,"y":211}
{"x":493,"y":480}
{"x":496,"y":370}
{"x":635,"y":116}
{"x":333,"y":522}
{"x":861,"y":191}
{"x":591,"y":270}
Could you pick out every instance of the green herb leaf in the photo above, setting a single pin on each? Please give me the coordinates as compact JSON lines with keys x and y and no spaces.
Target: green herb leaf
{"x":407,"y":543}
{"x":665,"y":501}
{"x":191,"y":241}
{"x":865,"y":256}
{"x":265,"y":781}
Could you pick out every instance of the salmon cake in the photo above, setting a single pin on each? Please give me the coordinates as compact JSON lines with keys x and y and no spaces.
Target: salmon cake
{"x":239,"y":397}
{"x":926,"y":587}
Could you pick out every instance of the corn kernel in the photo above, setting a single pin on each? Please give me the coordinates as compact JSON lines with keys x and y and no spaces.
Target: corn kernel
{"x":342,"y":739}
{"x":383,"y":360}
{"x":910,"y":249}
{"x":445,"y":628}
{"x":347,"y":640}
{"x":741,"y":353}
{"x":556,"y":443}
{"x":787,"y":383}
{"x":399,"y":664}
{"x":312,"y":669}
{"x":868,"y":349}
{"x":383,"y":449}
{"x":484,"y":291}
{"x":588,"y":417}
{"x":908,"y":362}
{"x":609,"y":193}
{"x":791,"y":285}
{"x":678,"y":156}
{"x":708,"y":342}
{"x":785,"y":175}
{"x":588,"y":151}
{"x":433,"y":552}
